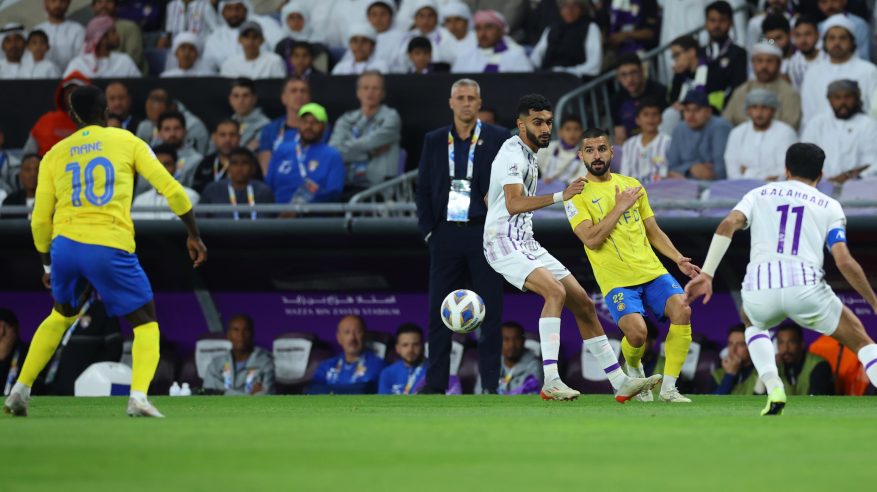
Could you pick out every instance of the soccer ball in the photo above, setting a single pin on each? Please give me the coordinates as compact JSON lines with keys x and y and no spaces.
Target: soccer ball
{"x":463,"y":311}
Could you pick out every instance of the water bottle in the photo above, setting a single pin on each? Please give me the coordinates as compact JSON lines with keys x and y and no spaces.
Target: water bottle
{"x":186,"y":390}
{"x":175,"y":389}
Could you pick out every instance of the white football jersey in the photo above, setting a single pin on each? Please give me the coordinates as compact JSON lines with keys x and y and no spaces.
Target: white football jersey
{"x":789,"y":223}
{"x":515,"y":163}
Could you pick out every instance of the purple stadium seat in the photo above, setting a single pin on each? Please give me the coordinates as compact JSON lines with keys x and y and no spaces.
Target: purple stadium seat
{"x":826,"y":187}
{"x":296,"y":357}
{"x":858,"y":190}
{"x":156,"y":58}
{"x":725,"y":190}
{"x":673,"y":190}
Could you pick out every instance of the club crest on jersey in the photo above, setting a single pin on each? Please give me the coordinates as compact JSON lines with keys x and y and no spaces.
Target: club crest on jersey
{"x":571,"y":210}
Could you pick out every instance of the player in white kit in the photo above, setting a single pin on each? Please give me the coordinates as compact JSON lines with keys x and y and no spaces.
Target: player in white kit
{"x":513,"y":252}
{"x":790,"y":223}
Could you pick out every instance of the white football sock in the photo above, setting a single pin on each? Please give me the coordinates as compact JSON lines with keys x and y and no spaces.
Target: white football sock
{"x":549,"y":340}
{"x":668,"y":383}
{"x":763,"y":357}
{"x":868,"y":356}
{"x":600,"y":348}
{"x":22,"y":389}
{"x":139,"y":396}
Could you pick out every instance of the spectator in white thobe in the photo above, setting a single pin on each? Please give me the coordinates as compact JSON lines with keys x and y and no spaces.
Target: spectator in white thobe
{"x":496,"y":52}
{"x":253,"y":62}
{"x":846,"y":134}
{"x":757,"y":148}
{"x":842,"y":63}
{"x":361,"y":42}
{"x":66,"y":38}
{"x":99,"y":58}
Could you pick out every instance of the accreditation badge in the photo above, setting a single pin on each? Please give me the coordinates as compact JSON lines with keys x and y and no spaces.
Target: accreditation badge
{"x":458,"y":200}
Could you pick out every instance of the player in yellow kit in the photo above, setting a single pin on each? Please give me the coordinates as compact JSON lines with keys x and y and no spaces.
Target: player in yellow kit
{"x":83,"y":231}
{"x":613,"y":219}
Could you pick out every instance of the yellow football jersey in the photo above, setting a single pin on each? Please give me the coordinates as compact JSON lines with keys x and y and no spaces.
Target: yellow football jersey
{"x":626,"y":258}
{"x":85,"y":188}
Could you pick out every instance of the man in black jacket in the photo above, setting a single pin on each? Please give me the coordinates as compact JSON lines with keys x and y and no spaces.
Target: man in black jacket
{"x":455,"y":167}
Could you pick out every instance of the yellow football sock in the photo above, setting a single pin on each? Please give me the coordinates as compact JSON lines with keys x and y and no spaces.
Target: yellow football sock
{"x":43,"y":346}
{"x":144,"y":355}
{"x":676,"y":349}
{"x":632,"y":355}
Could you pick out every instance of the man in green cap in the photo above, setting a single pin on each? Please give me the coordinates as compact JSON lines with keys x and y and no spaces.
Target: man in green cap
{"x":306,"y":170}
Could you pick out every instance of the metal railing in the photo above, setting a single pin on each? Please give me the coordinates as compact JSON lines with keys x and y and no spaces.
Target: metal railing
{"x":597,"y":91}
{"x":396,"y":194}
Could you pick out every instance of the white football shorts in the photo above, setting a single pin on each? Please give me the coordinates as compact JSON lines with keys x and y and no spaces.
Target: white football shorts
{"x":812,"y":306}
{"x":520,"y":263}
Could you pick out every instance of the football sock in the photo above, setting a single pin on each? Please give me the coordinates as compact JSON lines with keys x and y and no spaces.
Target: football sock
{"x":600,"y":348}
{"x":549,"y":340}
{"x":675,"y":351}
{"x":763,"y":357}
{"x":43,"y":345}
{"x":868,"y":356}
{"x":144,"y":355}
{"x":632,"y":355}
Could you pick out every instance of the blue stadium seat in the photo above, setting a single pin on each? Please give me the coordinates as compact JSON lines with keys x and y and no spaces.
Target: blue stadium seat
{"x":156,"y":59}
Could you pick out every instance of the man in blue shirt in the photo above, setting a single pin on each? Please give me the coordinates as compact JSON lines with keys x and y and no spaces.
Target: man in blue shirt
{"x":296,"y":93}
{"x":407,"y":376}
{"x":355,"y":371}
{"x":697,"y":147}
{"x":306,"y":170}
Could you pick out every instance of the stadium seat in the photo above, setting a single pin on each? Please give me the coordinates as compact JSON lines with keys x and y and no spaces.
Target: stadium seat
{"x":380,"y":343}
{"x":726,"y":190}
{"x":673,"y":190}
{"x":827,"y":187}
{"x":156,"y":58}
{"x":531,"y":343}
{"x":585,"y":374}
{"x":858,"y":190}
{"x":468,"y":369}
{"x":167,"y":365}
{"x":555,"y":210}
{"x":702,"y":359}
{"x":458,"y":348}
{"x":296,"y":357}
{"x":208,"y":346}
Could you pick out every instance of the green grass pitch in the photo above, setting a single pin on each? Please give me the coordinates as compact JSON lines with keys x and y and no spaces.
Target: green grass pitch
{"x":434,"y":443}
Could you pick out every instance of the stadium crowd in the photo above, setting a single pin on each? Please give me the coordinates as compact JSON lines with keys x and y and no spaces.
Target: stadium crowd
{"x":735,"y":98}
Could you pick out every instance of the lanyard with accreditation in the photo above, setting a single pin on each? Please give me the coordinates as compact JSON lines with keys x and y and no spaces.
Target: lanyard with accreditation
{"x":251,"y":200}
{"x":461,"y":189}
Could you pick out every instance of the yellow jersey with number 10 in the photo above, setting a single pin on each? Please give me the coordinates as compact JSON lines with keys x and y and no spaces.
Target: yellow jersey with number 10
{"x":85,"y":188}
{"x":626,"y":258}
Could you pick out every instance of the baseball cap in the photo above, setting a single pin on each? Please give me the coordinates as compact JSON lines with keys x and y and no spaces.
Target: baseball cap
{"x":317,"y":111}
{"x":696,"y":97}
{"x":251,"y":26}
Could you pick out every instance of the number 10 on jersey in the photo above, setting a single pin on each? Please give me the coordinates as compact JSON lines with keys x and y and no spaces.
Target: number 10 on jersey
{"x":796,"y":236}
{"x":77,"y":175}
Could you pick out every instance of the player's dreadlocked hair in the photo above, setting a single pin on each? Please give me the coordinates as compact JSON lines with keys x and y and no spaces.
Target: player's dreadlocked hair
{"x":88,"y":106}
{"x":534,"y":102}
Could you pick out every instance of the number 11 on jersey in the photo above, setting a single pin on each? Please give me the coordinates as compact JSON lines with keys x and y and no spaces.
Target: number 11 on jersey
{"x":796,"y":236}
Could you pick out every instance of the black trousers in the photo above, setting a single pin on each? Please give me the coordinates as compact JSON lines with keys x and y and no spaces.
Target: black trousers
{"x":456,"y":254}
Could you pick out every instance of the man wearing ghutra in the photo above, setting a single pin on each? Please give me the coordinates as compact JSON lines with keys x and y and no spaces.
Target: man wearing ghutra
{"x":455,"y":170}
